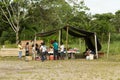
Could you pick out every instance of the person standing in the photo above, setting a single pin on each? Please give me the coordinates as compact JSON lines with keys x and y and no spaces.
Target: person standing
{"x":20,"y":50}
{"x":55,"y":48}
{"x":62,"y":51}
{"x":43,"y":50}
{"x":37,"y":49}
{"x":26,"y":50}
{"x":33,"y":52}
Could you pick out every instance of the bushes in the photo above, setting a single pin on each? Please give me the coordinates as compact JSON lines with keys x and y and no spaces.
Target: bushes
{"x":7,"y":38}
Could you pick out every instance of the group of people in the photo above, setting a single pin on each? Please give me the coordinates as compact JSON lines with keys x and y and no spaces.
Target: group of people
{"x":41,"y":50}
{"x":20,"y":49}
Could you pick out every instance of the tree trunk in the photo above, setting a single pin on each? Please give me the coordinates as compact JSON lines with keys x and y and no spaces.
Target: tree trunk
{"x":17,"y":37}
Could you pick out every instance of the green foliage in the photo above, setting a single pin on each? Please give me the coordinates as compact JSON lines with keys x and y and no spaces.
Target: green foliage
{"x":7,"y":36}
{"x":81,"y":20}
{"x":7,"y":42}
{"x":114,"y":47}
{"x":116,"y":21}
{"x":115,"y":37}
{"x":45,"y":15}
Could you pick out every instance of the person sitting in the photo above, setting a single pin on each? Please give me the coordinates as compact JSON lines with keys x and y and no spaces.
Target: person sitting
{"x":89,"y":54}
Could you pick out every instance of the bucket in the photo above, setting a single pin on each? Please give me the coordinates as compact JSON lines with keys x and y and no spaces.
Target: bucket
{"x":87,"y":57}
{"x":28,"y":58}
{"x":90,"y":57}
{"x":37,"y":58}
{"x":51,"y":57}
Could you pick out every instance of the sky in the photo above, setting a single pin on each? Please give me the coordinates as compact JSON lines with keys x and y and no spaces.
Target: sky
{"x":102,"y":6}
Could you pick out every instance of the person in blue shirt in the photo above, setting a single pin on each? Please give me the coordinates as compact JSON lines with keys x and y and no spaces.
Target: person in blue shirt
{"x":55,"y":48}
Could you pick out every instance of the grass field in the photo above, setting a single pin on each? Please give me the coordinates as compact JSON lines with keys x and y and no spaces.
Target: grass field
{"x":74,"y":69}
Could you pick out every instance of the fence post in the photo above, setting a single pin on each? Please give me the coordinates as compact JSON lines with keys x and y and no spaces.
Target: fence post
{"x":67,"y":42}
{"x":108,"y":45}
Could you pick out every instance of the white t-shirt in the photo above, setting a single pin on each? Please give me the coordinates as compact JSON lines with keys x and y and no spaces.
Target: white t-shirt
{"x":62,"y":48}
{"x":43,"y":48}
{"x":33,"y":50}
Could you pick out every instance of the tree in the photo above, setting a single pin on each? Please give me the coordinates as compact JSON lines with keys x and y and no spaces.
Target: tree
{"x":80,"y":18}
{"x":13,"y":11}
{"x":105,"y":21}
{"x":32,"y":16}
{"x":102,"y":24}
{"x":47,"y":15}
{"x":116,"y":21}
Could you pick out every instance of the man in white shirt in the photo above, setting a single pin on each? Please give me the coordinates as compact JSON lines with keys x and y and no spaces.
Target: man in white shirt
{"x":62,"y":51}
{"x":43,"y":51}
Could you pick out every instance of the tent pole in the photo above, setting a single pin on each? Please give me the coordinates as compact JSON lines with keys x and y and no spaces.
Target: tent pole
{"x":67,"y":42}
{"x":108,"y":44}
{"x":59,"y":37}
{"x":96,"y":50}
{"x":35,"y":39}
{"x":80,"y":44}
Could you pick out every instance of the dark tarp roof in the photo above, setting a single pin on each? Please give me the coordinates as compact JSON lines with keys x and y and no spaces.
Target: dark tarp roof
{"x":44,"y":34}
{"x":76,"y":32}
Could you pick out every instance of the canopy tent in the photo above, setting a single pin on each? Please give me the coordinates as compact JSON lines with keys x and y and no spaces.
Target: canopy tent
{"x":76,"y":32}
{"x":48,"y":33}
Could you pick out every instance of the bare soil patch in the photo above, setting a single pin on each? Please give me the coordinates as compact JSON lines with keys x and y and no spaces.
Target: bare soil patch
{"x":76,"y":69}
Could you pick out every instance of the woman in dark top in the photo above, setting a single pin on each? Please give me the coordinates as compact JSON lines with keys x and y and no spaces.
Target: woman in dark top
{"x":27,"y":49}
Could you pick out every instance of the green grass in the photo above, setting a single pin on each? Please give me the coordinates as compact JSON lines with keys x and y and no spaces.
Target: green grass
{"x":11,"y":58}
{"x":113,"y":49}
{"x":9,"y":46}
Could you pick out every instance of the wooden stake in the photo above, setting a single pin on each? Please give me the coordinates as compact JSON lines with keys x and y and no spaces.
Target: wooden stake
{"x":67,"y":42}
{"x":108,"y":45}
{"x":59,"y":37}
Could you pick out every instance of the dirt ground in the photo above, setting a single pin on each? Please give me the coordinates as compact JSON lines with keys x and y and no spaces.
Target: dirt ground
{"x":75,"y":69}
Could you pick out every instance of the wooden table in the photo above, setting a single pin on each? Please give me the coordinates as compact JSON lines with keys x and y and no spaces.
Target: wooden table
{"x":71,"y":54}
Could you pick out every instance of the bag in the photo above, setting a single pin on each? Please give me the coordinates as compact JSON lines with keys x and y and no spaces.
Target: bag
{"x":38,"y":58}
{"x":27,"y":58}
